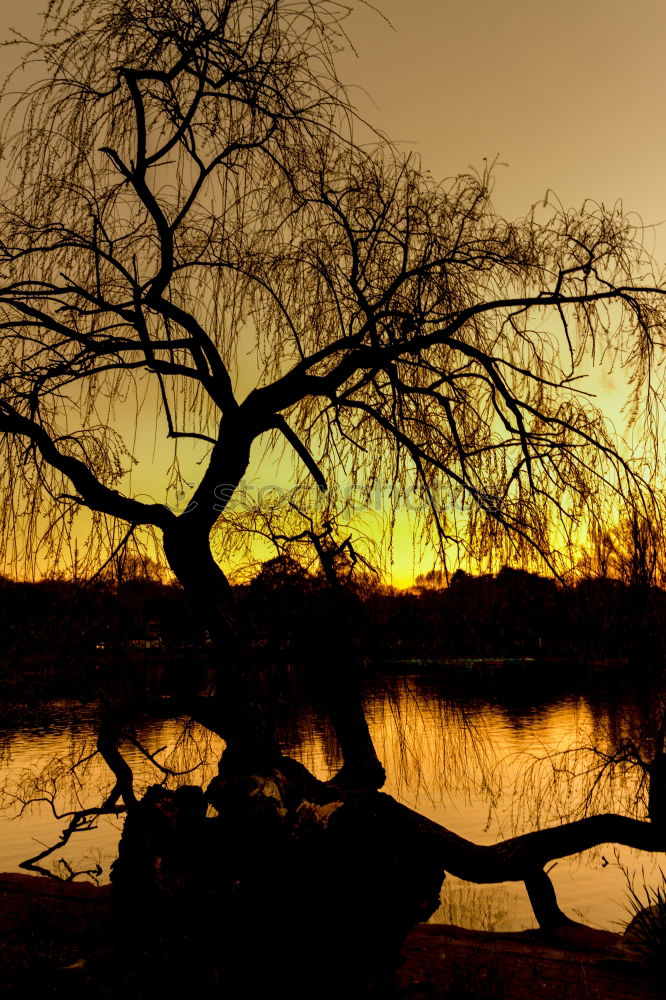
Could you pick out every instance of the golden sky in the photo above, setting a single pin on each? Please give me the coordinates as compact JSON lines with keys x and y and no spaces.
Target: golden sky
{"x":569,"y":95}
{"x":566,"y":96}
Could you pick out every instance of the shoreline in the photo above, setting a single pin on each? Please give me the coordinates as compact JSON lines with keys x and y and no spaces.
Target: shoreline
{"x":53,"y":933}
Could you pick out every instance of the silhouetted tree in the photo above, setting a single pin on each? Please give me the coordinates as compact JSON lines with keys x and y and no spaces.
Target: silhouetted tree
{"x":639,"y":551}
{"x":184,"y":191}
{"x":631,"y":550}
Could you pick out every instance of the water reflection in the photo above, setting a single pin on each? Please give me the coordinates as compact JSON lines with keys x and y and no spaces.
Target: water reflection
{"x":485,"y":770}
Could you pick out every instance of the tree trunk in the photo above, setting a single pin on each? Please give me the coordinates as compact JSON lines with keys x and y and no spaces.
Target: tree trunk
{"x":340,"y":683}
{"x":244,"y":720}
{"x":236,"y":710}
{"x":292,"y":882}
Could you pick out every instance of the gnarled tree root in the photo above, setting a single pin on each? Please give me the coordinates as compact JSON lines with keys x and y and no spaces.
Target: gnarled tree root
{"x":313,"y":883}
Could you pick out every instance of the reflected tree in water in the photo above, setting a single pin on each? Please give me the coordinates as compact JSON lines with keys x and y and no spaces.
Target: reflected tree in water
{"x":194,"y":239}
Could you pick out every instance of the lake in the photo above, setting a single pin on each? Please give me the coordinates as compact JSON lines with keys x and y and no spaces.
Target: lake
{"x":484,"y":769}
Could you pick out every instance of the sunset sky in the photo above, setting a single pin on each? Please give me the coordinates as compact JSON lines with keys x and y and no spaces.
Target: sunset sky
{"x":566,"y":96}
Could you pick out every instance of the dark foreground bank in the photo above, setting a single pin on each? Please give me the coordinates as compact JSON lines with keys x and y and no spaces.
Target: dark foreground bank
{"x":56,"y":938}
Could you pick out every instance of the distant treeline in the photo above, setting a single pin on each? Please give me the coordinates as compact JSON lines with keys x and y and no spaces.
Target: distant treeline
{"x":513,"y":613}
{"x":291,"y":614}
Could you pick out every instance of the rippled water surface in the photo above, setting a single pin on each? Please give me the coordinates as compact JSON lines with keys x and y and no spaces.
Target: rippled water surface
{"x":483,"y":770}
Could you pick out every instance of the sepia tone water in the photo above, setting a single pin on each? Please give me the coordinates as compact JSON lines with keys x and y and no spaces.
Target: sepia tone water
{"x":486,"y":771}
